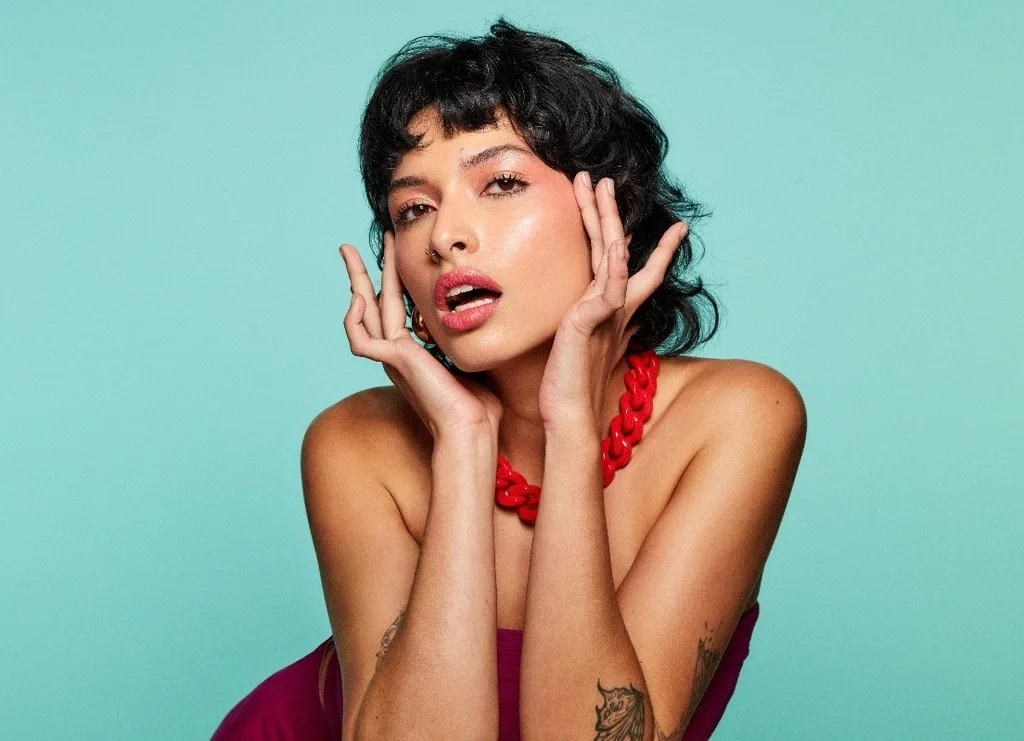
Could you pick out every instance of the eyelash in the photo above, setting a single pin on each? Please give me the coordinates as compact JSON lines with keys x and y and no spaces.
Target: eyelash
{"x":510,"y":177}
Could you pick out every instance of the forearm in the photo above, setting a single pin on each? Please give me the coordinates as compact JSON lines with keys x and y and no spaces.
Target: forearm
{"x":438,"y":679}
{"x":574,"y":635}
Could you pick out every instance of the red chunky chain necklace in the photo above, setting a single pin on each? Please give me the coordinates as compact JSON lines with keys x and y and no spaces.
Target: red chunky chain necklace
{"x":511,"y":489}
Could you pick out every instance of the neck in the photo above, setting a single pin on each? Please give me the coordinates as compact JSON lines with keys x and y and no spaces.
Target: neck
{"x":521,"y":432}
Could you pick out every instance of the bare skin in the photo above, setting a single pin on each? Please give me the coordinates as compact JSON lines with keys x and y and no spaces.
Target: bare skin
{"x":682,"y":418}
{"x":689,"y":521}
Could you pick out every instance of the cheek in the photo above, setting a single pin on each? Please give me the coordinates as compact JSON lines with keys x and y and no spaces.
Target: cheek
{"x":415,"y":281}
{"x":552,"y":227}
{"x":553,"y":265}
{"x":568,"y":249}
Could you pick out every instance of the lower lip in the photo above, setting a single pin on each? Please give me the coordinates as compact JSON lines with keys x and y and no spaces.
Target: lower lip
{"x":463,"y":321}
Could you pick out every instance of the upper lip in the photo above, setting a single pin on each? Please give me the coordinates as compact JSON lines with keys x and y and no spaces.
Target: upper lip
{"x":460,"y":277}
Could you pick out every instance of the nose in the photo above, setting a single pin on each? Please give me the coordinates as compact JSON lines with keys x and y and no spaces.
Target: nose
{"x":453,"y":229}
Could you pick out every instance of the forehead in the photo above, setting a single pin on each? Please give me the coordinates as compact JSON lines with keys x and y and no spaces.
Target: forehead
{"x":433,"y":144}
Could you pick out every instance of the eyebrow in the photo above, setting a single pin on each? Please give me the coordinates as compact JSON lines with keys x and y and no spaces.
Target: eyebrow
{"x":484,"y":155}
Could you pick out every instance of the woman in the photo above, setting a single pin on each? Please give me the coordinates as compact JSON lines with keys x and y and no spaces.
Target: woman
{"x":528,"y":226}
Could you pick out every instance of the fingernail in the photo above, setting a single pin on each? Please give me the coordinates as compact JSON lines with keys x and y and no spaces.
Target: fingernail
{"x":586,"y":179}
{"x":611,"y":186}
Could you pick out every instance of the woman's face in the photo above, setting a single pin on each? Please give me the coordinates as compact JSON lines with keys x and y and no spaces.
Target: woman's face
{"x":505,"y":214}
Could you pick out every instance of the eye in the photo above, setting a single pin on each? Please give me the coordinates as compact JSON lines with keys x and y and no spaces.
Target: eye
{"x":509,"y":183}
{"x":400,"y":218}
{"x":506,"y":179}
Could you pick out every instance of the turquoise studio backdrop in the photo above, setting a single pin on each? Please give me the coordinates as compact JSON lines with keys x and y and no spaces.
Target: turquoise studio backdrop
{"x":175,"y":179}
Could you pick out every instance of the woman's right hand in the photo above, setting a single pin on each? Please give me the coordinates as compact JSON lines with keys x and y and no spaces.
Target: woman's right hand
{"x":447,"y":404}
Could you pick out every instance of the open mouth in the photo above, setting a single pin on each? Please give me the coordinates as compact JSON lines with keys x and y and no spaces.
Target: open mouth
{"x":469,"y":297}
{"x":466,"y":298}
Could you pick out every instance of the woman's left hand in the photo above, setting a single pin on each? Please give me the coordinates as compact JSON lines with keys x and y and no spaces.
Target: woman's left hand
{"x":593,"y":336}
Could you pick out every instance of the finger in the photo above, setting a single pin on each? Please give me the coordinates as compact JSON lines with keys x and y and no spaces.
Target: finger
{"x":618,"y":276}
{"x":584,"y":191}
{"x":627,"y":337}
{"x":360,"y":342}
{"x":608,"y":209}
{"x":392,"y":308}
{"x":354,"y":329}
{"x":361,"y":284}
{"x":612,"y":295}
{"x":650,"y":276}
{"x":601,"y":278}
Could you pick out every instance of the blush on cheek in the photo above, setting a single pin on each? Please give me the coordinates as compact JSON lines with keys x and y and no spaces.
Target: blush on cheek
{"x":412,"y":282}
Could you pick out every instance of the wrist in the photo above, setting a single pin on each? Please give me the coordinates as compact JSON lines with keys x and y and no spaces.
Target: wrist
{"x":576,"y":433}
{"x":573,"y":425}
{"x":477,"y":441}
{"x":463,"y":465}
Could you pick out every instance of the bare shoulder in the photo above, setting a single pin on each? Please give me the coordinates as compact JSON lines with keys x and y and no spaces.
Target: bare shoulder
{"x":373,"y":433}
{"x":366,"y":555}
{"x":717,"y":393}
{"x":371,"y":415}
{"x":740,"y":383}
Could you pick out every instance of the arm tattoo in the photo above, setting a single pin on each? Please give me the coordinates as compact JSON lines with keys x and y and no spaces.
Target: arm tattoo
{"x":621,"y":717}
{"x":708,"y":656}
{"x":389,"y":636}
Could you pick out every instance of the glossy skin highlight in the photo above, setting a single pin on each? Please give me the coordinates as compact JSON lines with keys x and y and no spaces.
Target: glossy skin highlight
{"x":509,"y":216}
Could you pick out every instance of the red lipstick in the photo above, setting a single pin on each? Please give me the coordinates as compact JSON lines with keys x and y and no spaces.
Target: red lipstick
{"x":469,"y":312}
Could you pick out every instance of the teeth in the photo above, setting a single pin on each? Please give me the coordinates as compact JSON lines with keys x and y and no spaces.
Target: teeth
{"x":471,"y":304}
{"x":459,"y":289}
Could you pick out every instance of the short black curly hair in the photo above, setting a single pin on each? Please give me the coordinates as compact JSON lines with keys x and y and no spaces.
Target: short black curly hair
{"x":575,"y":114}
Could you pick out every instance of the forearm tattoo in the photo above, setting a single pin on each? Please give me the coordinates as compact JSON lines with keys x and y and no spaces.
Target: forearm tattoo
{"x":389,"y":635}
{"x":708,"y":656}
{"x":621,"y":717}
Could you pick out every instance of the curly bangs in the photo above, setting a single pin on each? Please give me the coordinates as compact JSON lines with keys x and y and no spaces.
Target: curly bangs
{"x":575,"y":115}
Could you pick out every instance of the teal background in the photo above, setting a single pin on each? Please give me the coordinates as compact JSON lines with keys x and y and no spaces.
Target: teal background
{"x":175,"y":179}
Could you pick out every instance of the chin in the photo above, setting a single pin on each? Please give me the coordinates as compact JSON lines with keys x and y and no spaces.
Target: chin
{"x":483,"y":352}
{"x":472,"y":355}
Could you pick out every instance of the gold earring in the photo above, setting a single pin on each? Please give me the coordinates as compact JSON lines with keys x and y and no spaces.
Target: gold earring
{"x":419,"y":328}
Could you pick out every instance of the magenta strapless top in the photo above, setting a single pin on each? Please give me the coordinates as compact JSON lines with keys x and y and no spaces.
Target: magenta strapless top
{"x":303,"y":701}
